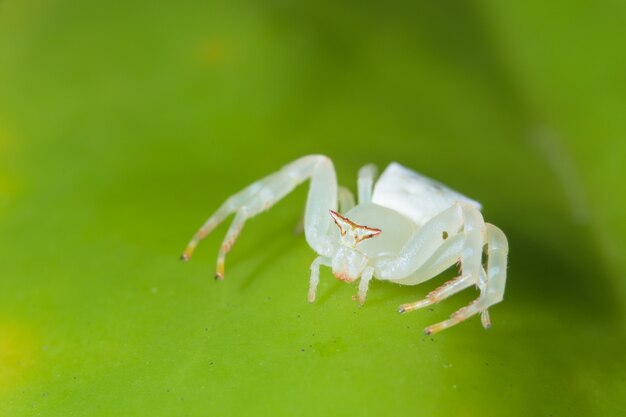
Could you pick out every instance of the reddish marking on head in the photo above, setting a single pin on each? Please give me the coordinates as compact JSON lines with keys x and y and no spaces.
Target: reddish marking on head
{"x":352,"y":233}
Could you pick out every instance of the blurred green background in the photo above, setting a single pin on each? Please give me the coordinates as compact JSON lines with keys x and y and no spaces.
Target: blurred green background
{"x":123,"y":125}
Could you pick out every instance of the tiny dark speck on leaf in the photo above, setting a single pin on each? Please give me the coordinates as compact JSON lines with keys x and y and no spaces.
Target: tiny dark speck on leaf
{"x":431,"y":309}
{"x":302,"y":350}
{"x":432,"y":339}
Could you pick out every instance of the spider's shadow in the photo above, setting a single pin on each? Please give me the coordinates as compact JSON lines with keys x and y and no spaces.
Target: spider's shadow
{"x":270,"y":251}
{"x":323,"y":295}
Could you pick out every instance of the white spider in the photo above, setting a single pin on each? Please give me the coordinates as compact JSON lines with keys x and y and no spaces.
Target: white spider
{"x":419,"y":228}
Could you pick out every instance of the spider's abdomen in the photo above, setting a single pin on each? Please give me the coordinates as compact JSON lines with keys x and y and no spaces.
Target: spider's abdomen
{"x":415,"y":196}
{"x":395,"y":228}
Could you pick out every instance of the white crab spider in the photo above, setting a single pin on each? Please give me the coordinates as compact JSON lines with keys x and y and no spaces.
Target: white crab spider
{"x":419,"y":228}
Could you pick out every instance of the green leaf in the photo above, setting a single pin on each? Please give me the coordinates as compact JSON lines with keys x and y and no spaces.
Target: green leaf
{"x":123,"y":126}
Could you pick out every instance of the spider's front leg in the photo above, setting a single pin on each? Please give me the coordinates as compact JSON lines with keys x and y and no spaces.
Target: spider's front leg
{"x":416,"y":253}
{"x":345,"y":201}
{"x":426,"y":255}
{"x":264,"y":193}
{"x":491,"y":285}
{"x":315,"y":276}
{"x":466,"y":246}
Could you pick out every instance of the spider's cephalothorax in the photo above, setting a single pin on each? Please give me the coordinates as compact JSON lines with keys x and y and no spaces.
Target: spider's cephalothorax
{"x":348,"y":263}
{"x":352,"y":233}
{"x":427,"y":228}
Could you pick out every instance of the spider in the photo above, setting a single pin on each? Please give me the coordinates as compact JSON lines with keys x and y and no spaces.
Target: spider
{"x":406,"y":228}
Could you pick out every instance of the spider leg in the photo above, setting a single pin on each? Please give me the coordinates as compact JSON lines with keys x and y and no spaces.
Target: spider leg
{"x":426,"y":241}
{"x":366,"y":182}
{"x":471,"y":258}
{"x":474,"y":232}
{"x":424,"y":256}
{"x":366,"y":277}
{"x":447,"y":255}
{"x":264,"y":193}
{"x":345,"y":200}
{"x":315,"y":276}
{"x":482,"y":286}
{"x":449,"y":288}
{"x":497,"y":250}
{"x":495,"y":279}
{"x":462,"y":314}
